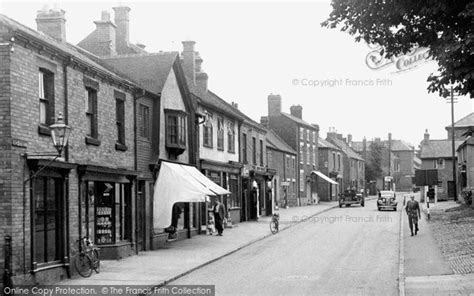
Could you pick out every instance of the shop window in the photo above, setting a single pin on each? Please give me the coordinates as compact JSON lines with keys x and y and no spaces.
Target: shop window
{"x":46,"y":97}
{"x":176,"y":130}
{"x":234,"y":189}
{"x":231,"y":138}
{"x":220,"y":133}
{"x":144,"y":121}
{"x":47,"y":205}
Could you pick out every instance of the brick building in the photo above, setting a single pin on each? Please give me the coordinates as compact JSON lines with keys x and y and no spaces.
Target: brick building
{"x":332,"y":165}
{"x":91,"y":189}
{"x":166,"y":127}
{"x":302,"y":137}
{"x":353,"y":164}
{"x":282,"y":158}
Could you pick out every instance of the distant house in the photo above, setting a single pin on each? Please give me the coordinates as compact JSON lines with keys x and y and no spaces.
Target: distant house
{"x":461,"y":126}
{"x":282,"y":158}
{"x":332,"y":165}
{"x":437,"y":154}
{"x":302,"y":137}
{"x":353,"y":163}
{"x":465,"y":154}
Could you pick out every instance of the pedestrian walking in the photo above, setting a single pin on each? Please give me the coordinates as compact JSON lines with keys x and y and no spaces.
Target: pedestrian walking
{"x":413,"y":212}
{"x":219,"y":214}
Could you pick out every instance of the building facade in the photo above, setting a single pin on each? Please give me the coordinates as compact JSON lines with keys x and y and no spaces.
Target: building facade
{"x":282,"y":158}
{"x":90,"y":190}
{"x":465,"y":154}
{"x":303,"y":138}
{"x":330,"y":164}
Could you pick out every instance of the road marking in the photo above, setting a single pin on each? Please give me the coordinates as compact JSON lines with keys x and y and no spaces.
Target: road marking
{"x":401,"y":262}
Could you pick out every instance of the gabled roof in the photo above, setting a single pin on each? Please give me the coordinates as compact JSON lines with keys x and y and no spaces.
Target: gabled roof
{"x":149,"y":70}
{"x":274,"y":141}
{"x":438,"y":148}
{"x":345,"y":148}
{"x":298,"y":120}
{"x":325,"y":144}
{"x":466,"y":121}
{"x":78,"y":54}
{"x":400,"y":145}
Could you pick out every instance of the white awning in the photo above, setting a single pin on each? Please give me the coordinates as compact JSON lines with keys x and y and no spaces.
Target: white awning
{"x":326,"y":178}
{"x":179,"y":183}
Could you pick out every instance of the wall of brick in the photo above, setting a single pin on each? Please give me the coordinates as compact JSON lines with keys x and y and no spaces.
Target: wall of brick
{"x":277,"y":160}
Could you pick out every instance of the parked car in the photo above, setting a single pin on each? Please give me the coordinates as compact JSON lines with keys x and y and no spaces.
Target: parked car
{"x":349,"y":197}
{"x":387,"y":200}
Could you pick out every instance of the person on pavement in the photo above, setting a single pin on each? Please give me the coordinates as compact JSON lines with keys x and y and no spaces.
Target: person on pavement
{"x":219,"y":214}
{"x":413,"y":212}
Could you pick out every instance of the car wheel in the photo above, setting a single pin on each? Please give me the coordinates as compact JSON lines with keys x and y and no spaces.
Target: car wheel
{"x":378,"y":209}
{"x":348,"y":205}
{"x":394,"y":209}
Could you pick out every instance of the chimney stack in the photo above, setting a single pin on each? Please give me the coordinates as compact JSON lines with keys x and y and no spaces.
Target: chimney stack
{"x":235,"y":105}
{"x":426,"y":137}
{"x":349,"y":140}
{"x":52,"y":23}
{"x":122,"y":20}
{"x":297,"y":111}
{"x":201,"y":77}
{"x":274,"y":105}
{"x":189,"y":60}
{"x":106,"y":35}
{"x":332,"y":133}
{"x":264,"y":121}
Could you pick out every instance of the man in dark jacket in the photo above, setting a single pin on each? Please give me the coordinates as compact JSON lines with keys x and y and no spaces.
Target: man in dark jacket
{"x":413,"y":212}
{"x":219,"y":214}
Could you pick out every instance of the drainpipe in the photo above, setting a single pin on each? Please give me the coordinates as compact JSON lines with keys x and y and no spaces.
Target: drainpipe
{"x":66,"y":181}
{"x":136,"y":96}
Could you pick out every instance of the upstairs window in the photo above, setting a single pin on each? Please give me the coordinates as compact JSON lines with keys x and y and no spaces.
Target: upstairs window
{"x":439,"y":163}
{"x":244,"y":149}
{"x":46,"y":97}
{"x":254,"y":150}
{"x":207,"y":132}
{"x":120,"y":117}
{"x":144,"y":121}
{"x":91,"y":112}
{"x":261,"y":152}
{"x":175,"y":130}
{"x":231,"y":137}
{"x":220,"y":133}
{"x":301,"y":133}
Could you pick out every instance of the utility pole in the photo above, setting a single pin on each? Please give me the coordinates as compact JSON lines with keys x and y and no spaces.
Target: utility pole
{"x":453,"y":147}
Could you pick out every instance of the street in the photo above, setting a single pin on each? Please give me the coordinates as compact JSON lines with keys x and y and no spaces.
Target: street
{"x":349,"y":250}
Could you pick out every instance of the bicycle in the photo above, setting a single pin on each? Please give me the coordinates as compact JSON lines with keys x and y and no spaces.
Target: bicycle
{"x":275,"y":223}
{"x":88,"y":258}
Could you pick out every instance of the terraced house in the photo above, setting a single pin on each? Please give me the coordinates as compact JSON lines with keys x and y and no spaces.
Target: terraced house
{"x":50,"y":200}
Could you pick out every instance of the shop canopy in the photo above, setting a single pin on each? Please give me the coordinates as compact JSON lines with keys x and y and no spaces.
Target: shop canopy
{"x":326,"y":178}
{"x":179,"y":183}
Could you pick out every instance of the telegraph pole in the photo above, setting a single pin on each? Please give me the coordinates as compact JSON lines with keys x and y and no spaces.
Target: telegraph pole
{"x":453,"y":146}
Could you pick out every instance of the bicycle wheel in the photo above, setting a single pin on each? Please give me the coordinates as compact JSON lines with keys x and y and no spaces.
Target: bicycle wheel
{"x":274,"y":226}
{"x":95,"y":260}
{"x":83,"y":265}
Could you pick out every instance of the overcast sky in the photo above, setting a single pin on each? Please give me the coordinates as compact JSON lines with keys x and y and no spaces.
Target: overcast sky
{"x":253,"y":49}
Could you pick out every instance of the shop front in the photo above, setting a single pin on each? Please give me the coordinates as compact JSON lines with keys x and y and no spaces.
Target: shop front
{"x":257,"y":197}
{"x":106,"y":209}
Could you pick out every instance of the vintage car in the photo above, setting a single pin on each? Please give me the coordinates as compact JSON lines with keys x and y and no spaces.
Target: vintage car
{"x":387,"y":200}
{"x":350,"y":197}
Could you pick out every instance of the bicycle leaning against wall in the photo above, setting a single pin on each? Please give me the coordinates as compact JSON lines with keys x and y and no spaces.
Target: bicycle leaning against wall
{"x":88,"y":258}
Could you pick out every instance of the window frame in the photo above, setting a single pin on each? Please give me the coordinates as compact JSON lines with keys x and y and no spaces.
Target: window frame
{"x":91,"y":113}
{"x":208,"y":133}
{"x":220,"y":133}
{"x":120,"y":100}
{"x":46,"y":95}
{"x":231,"y":137}
{"x":144,"y":121}
{"x":244,"y":148}
{"x":179,"y":128}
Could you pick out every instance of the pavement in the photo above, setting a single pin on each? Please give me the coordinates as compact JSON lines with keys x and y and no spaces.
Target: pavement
{"x":426,"y":269}
{"x":159,"y":267}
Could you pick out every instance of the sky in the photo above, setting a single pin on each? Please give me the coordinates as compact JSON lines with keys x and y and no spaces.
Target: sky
{"x":253,"y":49}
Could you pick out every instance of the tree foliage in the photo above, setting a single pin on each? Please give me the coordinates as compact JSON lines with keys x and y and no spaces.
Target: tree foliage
{"x":373,"y":167}
{"x":445,"y":27}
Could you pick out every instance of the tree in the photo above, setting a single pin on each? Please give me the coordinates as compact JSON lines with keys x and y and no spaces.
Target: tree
{"x":445,"y":27}
{"x":373,"y":169}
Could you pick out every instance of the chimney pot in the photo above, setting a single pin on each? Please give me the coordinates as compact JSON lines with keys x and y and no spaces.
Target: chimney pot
{"x":264,"y":121}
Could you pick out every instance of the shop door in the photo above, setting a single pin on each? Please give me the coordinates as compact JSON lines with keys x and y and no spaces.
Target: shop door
{"x":141,"y":198}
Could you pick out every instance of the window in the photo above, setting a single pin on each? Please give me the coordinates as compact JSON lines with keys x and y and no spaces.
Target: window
{"x":314,"y":154}
{"x":244,"y":148}
{"x":293,"y":162}
{"x":338,"y":162}
{"x":302,"y":180}
{"x":144,"y":121}
{"x":254,"y":150}
{"x":439,"y":163}
{"x":307,"y":153}
{"x":287,"y":161}
{"x":46,"y":97}
{"x":47,"y":206}
{"x":120,"y":118}
{"x":307,"y":135}
{"x":207,"y":132}
{"x":220,"y":133}
{"x":234,"y":188}
{"x":314,"y":137}
{"x":261,"y":152}
{"x":334,"y":161}
{"x":175,"y":129}
{"x":91,"y":112}
{"x":301,"y":133}
{"x":231,"y":137}
{"x":301,"y":152}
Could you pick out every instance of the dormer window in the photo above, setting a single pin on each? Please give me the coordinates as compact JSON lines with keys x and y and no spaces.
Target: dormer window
{"x":175,"y":131}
